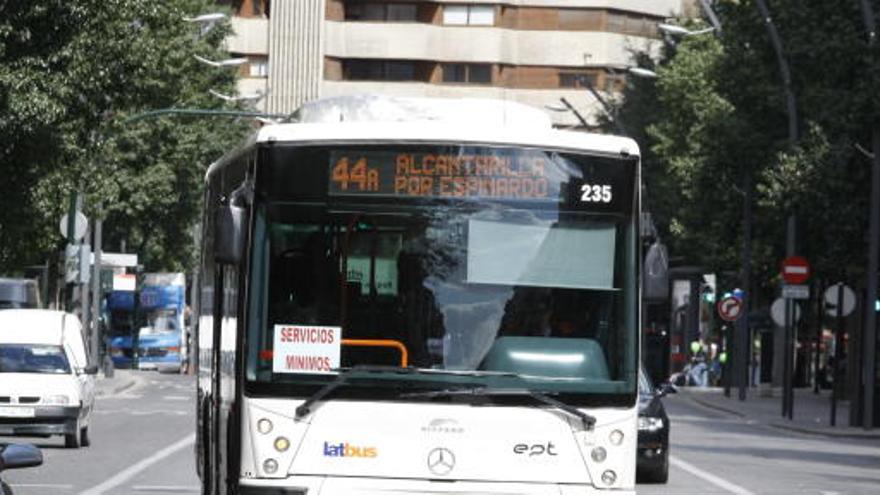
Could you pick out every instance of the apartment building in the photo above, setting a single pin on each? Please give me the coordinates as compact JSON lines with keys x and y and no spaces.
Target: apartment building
{"x":531,"y":51}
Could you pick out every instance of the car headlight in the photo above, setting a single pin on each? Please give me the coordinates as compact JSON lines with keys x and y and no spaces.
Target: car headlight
{"x":56,"y":400}
{"x":647,"y":423}
{"x":116,"y":352}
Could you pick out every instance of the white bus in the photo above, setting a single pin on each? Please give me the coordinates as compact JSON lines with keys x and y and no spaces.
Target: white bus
{"x":419,"y":296}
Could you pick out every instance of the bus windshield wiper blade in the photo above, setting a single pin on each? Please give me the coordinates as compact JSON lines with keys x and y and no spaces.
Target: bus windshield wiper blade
{"x":588,"y":421}
{"x":345,"y":374}
{"x":341,"y":379}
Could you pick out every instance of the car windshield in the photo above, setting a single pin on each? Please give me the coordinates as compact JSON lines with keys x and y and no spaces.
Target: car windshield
{"x":476,"y":287}
{"x":33,"y":358}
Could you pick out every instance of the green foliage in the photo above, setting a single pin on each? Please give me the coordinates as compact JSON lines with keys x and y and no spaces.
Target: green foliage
{"x":718,"y":114}
{"x":70,"y":72}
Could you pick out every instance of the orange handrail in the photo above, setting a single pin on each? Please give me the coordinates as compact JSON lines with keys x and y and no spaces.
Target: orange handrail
{"x":404,"y":354}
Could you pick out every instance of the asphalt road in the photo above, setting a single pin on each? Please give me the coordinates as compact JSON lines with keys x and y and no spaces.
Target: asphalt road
{"x":142,"y":444}
{"x":713,"y":453}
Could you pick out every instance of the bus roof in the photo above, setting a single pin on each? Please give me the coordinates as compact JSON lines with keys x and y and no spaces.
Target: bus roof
{"x":379,"y":119}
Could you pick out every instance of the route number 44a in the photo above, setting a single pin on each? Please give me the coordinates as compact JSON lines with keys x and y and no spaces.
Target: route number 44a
{"x":595,"y":193}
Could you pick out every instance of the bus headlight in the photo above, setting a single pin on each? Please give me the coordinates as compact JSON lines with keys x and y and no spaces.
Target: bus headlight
{"x":616,"y":437}
{"x":264,"y":426}
{"x":609,"y":477}
{"x":599,"y":454}
{"x":282,"y":444}
{"x":270,"y":466}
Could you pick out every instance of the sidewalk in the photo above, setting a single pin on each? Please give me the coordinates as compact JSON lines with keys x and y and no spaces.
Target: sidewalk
{"x":811,"y":413}
{"x":122,"y":380}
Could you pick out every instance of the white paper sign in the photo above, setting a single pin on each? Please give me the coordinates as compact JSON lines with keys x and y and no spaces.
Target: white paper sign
{"x":306,"y":349}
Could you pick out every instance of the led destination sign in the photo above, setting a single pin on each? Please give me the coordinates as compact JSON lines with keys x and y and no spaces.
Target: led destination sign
{"x":511,"y":176}
{"x":482,"y":173}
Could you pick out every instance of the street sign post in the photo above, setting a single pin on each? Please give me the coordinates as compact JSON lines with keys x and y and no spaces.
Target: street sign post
{"x":795,"y":270}
{"x":80,"y":224}
{"x":796,"y":291}
{"x":777,"y":312}
{"x":846,"y":304}
{"x":730,"y":308}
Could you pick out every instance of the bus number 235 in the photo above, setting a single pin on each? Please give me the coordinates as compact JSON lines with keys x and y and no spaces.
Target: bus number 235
{"x":595,"y":193}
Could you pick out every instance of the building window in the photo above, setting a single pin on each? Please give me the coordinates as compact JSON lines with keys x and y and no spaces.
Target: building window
{"x":632,"y":24}
{"x":577,"y":80}
{"x":381,"y":12}
{"x":258,"y":67}
{"x":469,"y":15}
{"x":380,"y":70}
{"x":467,"y":73}
{"x":580,"y":19}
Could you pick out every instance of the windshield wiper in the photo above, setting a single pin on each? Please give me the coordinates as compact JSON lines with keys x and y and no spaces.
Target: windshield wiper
{"x":344,"y":375}
{"x":588,"y":421}
{"x":342,"y":379}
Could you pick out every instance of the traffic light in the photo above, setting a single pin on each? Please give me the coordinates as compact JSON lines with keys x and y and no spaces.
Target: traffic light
{"x":708,"y":295}
{"x":707,"y":289}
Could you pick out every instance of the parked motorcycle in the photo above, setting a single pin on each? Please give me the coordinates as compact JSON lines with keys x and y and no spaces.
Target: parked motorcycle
{"x":17,"y":455}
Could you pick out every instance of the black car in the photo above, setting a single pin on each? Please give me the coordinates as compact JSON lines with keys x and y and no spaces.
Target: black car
{"x":652,"y":453}
{"x":17,"y":455}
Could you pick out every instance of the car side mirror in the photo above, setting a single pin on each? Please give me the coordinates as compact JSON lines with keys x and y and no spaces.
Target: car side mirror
{"x":91,"y":369}
{"x":19,"y":455}
{"x":666,"y":388}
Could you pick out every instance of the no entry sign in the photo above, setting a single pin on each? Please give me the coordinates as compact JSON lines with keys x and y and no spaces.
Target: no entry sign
{"x":730,"y":308}
{"x":795,"y":270}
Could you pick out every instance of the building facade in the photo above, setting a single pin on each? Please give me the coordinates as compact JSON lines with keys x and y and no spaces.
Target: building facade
{"x":531,"y":51}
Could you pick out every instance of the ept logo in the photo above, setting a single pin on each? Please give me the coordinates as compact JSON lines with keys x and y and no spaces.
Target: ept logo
{"x":347,"y":450}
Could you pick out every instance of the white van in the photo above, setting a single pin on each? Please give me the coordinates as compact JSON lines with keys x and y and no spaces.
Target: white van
{"x":46,"y":385}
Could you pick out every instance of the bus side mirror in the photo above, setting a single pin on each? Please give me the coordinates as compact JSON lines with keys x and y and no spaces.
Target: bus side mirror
{"x":229,"y":223}
{"x":19,"y":455}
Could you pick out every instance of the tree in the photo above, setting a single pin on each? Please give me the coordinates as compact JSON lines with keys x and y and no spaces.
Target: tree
{"x":70,"y":72}
{"x":719,"y":110}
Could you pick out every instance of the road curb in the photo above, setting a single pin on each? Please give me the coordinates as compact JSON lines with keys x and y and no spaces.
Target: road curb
{"x":716,"y":407}
{"x":825,"y":433}
{"x":788,"y":427}
{"x":128,"y":382}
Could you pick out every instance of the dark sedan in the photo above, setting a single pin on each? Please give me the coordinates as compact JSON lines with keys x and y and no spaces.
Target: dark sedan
{"x":652,"y":456}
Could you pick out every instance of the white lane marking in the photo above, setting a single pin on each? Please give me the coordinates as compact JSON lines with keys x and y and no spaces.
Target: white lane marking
{"x":131,"y":471}
{"x":168,"y":488}
{"x":176,"y":397}
{"x":711,"y":478}
{"x":40,"y":485}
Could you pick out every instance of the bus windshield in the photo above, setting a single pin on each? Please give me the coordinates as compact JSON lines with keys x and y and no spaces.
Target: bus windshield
{"x":493,"y":288}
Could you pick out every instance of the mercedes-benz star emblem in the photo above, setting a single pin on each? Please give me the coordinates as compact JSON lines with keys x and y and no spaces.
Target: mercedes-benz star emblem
{"x":441,"y":461}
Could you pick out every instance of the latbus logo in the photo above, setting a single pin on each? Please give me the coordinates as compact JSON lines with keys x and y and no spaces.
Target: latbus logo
{"x":345,"y":449}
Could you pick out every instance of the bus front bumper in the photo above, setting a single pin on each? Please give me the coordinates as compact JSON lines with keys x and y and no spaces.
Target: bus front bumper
{"x":320,"y":485}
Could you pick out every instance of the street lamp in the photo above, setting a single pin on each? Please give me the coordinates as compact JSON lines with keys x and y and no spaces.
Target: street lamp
{"x":207,"y":21}
{"x":642,"y":72}
{"x":251,"y":98}
{"x":206,"y":18}
{"x":229,"y":62}
{"x":675,"y":30}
